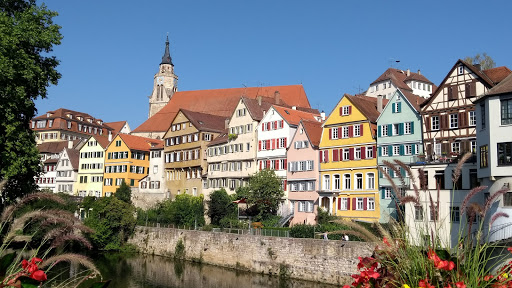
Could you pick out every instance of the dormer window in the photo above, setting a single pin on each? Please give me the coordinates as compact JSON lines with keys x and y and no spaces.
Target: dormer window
{"x":345,"y":110}
{"x":69,"y":116}
{"x":460,"y":70}
{"x":48,"y":114}
{"x":89,"y":120}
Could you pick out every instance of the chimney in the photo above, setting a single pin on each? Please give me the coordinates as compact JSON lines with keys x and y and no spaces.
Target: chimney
{"x":277,"y":97}
{"x":408,"y":73}
{"x":322,"y":115}
{"x":226,"y":124}
{"x":70,"y":144}
{"x":478,"y":67}
{"x":259,"y":99}
{"x":379,"y":103}
{"x":419,"y":72}
{"x":294,"y":107}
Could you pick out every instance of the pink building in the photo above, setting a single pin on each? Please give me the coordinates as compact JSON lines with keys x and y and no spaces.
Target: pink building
{"x":303,"y":171}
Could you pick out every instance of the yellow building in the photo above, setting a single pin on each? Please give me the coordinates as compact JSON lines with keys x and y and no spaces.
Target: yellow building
{"x":126,"y":157}
{"x":89,"y":181}
{"x":348,"y":160}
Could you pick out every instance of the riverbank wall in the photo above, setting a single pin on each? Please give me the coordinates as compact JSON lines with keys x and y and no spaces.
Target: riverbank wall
{"x":316,"y":260}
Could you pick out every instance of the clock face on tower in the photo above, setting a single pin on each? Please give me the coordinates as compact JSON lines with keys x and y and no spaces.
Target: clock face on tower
{"x":160,"y":80}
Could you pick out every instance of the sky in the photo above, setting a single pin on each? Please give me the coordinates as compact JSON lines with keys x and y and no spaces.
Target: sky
{"x":111,"y":49}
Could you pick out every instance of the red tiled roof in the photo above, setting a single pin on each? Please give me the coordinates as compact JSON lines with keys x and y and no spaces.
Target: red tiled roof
{"x":138,"y":143}
{"x":415,"y":100}
{"x":206,"y":122}
{"x":398,"y":78}
{"x":117,"y":126}
{"x":497,"y":74}
{"x":73,"y":156}
{"x":60,"y":122}
{"x":505,"y":86}
{"x":221,"y":139}
{"x":158,"y":146}
{"x":102,"y":140}
{"x":293,"y":116}
{"x":313,"y":130}
{"x":220,"y":102}
{"x":367,"y":105}
{"x":55,"y":147}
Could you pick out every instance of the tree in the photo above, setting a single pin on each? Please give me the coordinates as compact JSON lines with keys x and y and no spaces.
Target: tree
{"x":485,"y":61}
{"x":26,"y":70}
{"x":185,"y":210}
{"x":113,"y":221}
{"x":265,"y":193}
{"x":220,"y":205}
{"x":124,"y":193}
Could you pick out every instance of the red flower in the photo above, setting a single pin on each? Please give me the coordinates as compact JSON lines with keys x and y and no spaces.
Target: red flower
{"x":438,"y":263}
{"x":425,"y":284}
{"x":509,"y":249}
{"x":385,"y":240}
{"x":487,"y":277}
{"x":460,"y":285}
{"x":39,"y":275}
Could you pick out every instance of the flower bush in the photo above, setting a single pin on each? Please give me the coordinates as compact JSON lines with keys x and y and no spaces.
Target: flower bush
{"x":399,"y":260}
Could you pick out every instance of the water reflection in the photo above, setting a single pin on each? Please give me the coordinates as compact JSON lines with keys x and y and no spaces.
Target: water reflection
{"x":161,"y":272}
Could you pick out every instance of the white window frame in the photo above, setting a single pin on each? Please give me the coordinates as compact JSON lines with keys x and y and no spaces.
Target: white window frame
{"x":396,"y":150}
{"x":387,"y":193}
{"x":472,"y":118}
{"x":384,"y":151}
{"x":336,"y":182}
{"x":370,"y":181}
{"x":454,"y":121}
{"x":370,"y":203}
{"x":434,"y":123}
{"x":326,"y":182}
{"x":358,"y":185}
{"x":407,"y":127}
{"x":455,"y":147}
{"x":357,"y":130}
{"x":385,"y":131}
{"x":346,"y":181}
{"x":344,"y":132}
{"x":408,"y":149}
{"x":369,"y":152}
{"x":345,"y":110}
{"x":359,"y":203}
{"x":357,"y":153}
{"x":344,"y":203}
{"x":334,"y":132}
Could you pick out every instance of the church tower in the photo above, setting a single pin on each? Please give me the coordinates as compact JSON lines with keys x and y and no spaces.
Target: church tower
{"x":165,"y":83}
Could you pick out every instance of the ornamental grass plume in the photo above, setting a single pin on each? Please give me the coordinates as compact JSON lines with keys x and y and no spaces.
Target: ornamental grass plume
{"x":407,"y":257}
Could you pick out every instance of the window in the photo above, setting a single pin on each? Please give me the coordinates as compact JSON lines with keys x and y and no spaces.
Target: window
{"x":387,"y":193}
{"x":473,"y":179}
{"x":455,"y":213}
{"x":327,"y":182}
{"x":504,"y":153}
{"x":507,"y":199}
{"x":118,"y":143}
{"x":437,"y":149}
{"x":418,"y":213}
{"x":460,"y":70}
{"x":345,"y":132}
{"x":384,"y":130}
{"x":454,"y":121}
{"x":455,"y":147}
{"x":346,"y":154}
{"x":408,"y":149}
{"x":396,"y":150}
{"x":434,"y":214}
{"x":310,"y":165}
{"x":357,"y":130}
{"x":482,"y":113}
{"x":472,"y":118}
{"x":359,"y":203}
{"x":407,"y":127}
{"x":334,"y":133}
{"x":357,"y":153}
{"x":369,"y":152}
{"x":371,"y":203}
{"x":434,"y":122}
{"x":370,"y":181}
{"x":396,"y":129}
{"x":359,"y":181}
{"x":344,"y":204}
{"x":346,"y":182}
{"x":345,"y":110}
{"x":336,"y":182}
{"x":506,"y":112}
{"x":384,"y":150}
{"x":473,"y":146}
{"x":396,"y":107}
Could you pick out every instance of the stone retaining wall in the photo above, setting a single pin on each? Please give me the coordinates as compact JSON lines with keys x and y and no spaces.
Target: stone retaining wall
{"x":307,"y":259}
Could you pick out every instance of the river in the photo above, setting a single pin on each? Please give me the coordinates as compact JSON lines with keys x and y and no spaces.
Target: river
{"x":159,"y":272}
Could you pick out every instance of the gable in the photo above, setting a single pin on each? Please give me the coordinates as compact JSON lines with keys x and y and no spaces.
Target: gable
{"x":345,"y":111}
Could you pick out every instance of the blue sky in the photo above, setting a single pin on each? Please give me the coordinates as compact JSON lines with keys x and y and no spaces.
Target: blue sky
{"x":111,"y":49}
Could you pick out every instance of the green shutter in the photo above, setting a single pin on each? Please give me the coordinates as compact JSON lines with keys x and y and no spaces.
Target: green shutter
{"x":380,"y":151}
{"x":412,"y":127}
{"x":401,"y":150}
{"x":390,"y":130}
{"x":401,"y":129}
{"x":399,"y":108}
{"x":393,"y":107}
{"x":378,"y":133}
{"x":383,"y":192}
{"x":390,"y":150}
{"x":413,"y":150}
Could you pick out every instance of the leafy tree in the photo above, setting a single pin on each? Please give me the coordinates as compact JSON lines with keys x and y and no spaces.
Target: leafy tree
{"x":265,"y":193}
{"x":220,"y":206}
{"x":124,"y":193}
{"x":28,"y":34}
{"x":186,"y":210}
{"x":112,"y":219}
{"x":485,"y":61}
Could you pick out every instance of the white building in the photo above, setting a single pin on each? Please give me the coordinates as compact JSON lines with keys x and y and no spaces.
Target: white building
{"x":152,"y":188}
{"x":67,"y":171}
{"x":50,"y":153}
{"x":393,"y":79}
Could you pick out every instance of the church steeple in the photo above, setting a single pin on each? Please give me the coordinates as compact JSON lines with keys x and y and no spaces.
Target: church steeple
{"x":166,"y":59}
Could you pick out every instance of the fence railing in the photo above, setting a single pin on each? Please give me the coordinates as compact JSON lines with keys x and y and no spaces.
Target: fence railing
{"x":252,"y":231}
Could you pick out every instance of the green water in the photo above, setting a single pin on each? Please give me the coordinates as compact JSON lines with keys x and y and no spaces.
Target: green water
{"x":159,"y":272}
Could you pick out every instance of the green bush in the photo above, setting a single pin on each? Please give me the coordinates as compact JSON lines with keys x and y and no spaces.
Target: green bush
{"x":302,"y":231}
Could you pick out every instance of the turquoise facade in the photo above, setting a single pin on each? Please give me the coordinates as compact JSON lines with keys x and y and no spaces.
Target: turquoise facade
{"x":399,"y":137}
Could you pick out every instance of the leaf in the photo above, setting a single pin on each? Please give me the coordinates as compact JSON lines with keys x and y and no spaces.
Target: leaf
{"x":102,"y":284}
{"x":27,"y":282}
{"x":5,"y":262}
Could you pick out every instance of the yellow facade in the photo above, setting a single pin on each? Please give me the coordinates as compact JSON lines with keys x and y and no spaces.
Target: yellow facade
{"x":348,"y":165}
{"x":128,"y":164}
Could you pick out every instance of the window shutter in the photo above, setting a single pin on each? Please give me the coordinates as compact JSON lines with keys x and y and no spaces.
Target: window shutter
{"x":390,"y":129}
{"x":277,"y":164}
{"x":321,"y":156}
{"x":401,"y":149}
{"x":348,"y":204}
{"x":413,"y":149}
{"x":354,"y":204}
{"x":285,"y":165}
{"x":462,"y":119}
{"x":339,"y":203}
{"x":427,"y":124}
{"x":351,"y":153}
{"x":285,"y":185}
{"x":378,"y":131}
{"x":380,"y":151}
{"x":282,"y":123}
{"x":365,"y":203}
{"x":393,"y":107}
{"x":275,"y":125}
{"x":326,"y":156}
{"x":339,"y":132}
{"x":349,"y":110}
{"x":259,"y":145}
{"x":261,"y":164}
{"x":330,"y":133}
{"x":351,"y":131}
{"x":268,"y":144}
{"x":401,"y":129}
{"x":383,"y":192}
{"x":335,"y":155}
{"x":374,"y":151}
{"x":455,"y":92}
{"x":467,"y":89}
{"x":450,"y":93}
{"x":412,"y":127}
{"x":363,"y":152}
{"x":285,"y":140}
{"x":390,"y":150}
{"x":268,"y":164}
{"x":442,"y":119}
{"x":361,"y":129}
{"x":399,"y":107}
{"x":473,"y":89}
{"x":273,"y":144}
{"x":341,"y":111}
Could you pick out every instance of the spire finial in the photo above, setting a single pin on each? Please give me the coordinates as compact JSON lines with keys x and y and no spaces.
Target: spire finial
{"x":166,"y":59}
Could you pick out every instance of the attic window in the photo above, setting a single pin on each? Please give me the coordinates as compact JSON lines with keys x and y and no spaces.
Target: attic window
{"x":69,"y":116}
{"x":287,"y":112}
{"x":460,"y":70}
{"x":200,"y":122}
